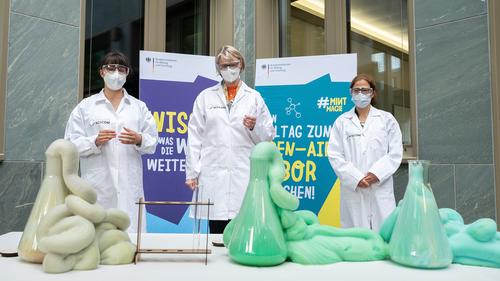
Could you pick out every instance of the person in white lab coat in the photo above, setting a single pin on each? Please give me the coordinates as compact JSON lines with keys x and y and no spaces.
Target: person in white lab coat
{"x":111,"y":130}
{"x":365,"y":149}
{"x":228,"y":120}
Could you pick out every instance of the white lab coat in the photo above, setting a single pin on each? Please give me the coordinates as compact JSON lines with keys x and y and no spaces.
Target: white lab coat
{"x":219,"y":147}
{"x":354,"y":151}
{"x":113,"y":169}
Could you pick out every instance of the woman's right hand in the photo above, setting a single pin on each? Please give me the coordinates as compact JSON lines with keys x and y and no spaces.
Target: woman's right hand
{"x":192,"y":183}
{"x":104,"y":136}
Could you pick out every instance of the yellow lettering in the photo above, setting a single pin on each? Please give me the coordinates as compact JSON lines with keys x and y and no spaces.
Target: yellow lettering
{"x":159,"y":120}
{"x":170,"y":128}
{"x":334,"y":108}
{"x":310,"y":171}
{"x":287,"y":170}
{"x":296,"y":171}
{"x":321,"y":151}
{"x":318,"y":149}
{"x":181,"y":117}
{"x":311,"y":151}
{"x":289,"y":148}
{"x":279,"y":144}
{"x":297,"y":166}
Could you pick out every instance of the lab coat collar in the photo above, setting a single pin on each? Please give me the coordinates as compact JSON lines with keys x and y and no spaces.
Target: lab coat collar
{"x":100,"y":97}
{"x":219,"y":91}
{"x":351,"y":114}
{"x":374,"y":112}
{"x":242,"y":91}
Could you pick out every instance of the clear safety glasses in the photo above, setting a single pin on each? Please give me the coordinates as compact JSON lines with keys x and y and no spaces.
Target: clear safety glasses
{"x":364,"y":91}
{"x":232,"y":64}
{"x":113,"y":67}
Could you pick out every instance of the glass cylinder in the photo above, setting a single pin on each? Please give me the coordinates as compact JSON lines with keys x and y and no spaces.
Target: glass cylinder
{"x":419,"y":238}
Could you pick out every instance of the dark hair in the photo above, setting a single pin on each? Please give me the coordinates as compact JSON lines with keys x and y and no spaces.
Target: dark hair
{"x":370,"y":81}
{"x":115,"y":57}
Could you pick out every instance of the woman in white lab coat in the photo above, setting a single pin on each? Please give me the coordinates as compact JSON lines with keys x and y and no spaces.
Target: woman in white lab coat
{"x":111,"y":130}
{"x":365,"y":149}
{"x":228,"y":120}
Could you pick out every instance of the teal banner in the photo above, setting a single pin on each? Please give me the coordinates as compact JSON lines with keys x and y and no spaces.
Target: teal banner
{"x":304,"y":114}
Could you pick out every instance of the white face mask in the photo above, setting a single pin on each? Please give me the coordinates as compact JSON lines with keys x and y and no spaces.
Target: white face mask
{"x":115,"y":80}
{"x":361,"y":100}
{"x":230,"y":74}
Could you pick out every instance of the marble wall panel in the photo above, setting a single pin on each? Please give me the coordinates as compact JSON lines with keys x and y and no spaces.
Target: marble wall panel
{"x":432,"y":12}
{"x":19,"y":184}
{"x":42,"y":81}
{"x":442,"y":179}
{"x":63,"y":11}
{"x":453,"y":93}
{"x":475,"y":191}
{"x":244,"y":39}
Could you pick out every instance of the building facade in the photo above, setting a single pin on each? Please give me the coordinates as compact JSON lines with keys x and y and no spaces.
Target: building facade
{"x":435,"y":62}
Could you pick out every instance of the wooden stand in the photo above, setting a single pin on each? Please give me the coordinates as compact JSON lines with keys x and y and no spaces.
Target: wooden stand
{"x":140,"y":251}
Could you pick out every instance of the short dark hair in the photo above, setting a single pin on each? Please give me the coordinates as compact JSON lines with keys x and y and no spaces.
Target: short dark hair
{"x":114,"y":57}
{"x":370,"y":81}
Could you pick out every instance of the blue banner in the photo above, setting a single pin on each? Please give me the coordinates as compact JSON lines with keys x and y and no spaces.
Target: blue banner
{"x":169,"y":89}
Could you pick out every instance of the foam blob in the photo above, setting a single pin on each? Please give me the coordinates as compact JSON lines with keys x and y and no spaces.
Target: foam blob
{"x":267,"y":221}
{"x":66,"y":229}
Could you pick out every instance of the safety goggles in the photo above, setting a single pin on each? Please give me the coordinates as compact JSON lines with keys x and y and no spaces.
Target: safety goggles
{"x":233,"y":64}
{"x":114,"y":67}
{"x":364,"y":91}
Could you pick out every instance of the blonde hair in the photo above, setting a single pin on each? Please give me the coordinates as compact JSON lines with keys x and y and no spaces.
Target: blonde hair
{"x":229,"y":50}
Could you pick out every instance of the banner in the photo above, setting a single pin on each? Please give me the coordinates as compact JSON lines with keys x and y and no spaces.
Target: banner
{"x":169,"y":83}
{"x":305,"y":95}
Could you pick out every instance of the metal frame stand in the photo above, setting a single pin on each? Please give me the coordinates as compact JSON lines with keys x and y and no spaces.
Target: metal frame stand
{"x":140,"y":251}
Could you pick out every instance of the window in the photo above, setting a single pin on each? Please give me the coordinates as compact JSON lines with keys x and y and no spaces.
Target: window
{"x":122,"y":26}
{"x":302,"y":28}
{"x":378,"y":33}
{"x":377,"y":30}
{"x":112,"y":25}
{"x":187,"y":24}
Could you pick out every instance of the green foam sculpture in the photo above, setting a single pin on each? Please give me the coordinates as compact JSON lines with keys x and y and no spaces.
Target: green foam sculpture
{"x":267,"y":231}
{"x":418,"y":238}
{"x":322,"y":244}
{"x":254,"y":236}
{"x":477,"y":243}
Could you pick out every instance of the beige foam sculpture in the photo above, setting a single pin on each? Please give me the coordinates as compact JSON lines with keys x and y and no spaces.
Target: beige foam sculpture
{"x":66,"y":229}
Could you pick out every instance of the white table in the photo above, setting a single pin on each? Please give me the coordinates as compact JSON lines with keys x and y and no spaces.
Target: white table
{"x":220,"y":267}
